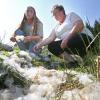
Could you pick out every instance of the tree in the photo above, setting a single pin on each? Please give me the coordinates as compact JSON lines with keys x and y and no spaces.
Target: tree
{"x":95,"y":30}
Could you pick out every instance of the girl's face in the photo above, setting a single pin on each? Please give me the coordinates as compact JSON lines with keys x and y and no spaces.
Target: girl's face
{"x":30,"y":13}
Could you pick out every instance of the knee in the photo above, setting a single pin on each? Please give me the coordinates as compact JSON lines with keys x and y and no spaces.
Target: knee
{"x":50,"y":46}
{"x":19,"y":32}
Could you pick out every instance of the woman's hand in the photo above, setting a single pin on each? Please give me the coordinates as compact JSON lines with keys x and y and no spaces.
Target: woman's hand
{"x":27,"y":39}
{"x":64,"y":43}
{"x":13,"y":39}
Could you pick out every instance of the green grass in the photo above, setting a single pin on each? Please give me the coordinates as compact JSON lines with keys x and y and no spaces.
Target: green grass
{"x":88,"y":66}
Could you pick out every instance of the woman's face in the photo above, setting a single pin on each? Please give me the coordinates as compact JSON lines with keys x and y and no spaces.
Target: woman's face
{"x":30,"y":13}
{"x":58,"y":15}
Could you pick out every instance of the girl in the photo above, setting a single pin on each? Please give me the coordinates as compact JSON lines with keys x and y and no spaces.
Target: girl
{"x":30,"y":31}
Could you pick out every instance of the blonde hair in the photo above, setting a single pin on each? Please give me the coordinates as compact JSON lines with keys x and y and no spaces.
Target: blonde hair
{"x":35,"y":20}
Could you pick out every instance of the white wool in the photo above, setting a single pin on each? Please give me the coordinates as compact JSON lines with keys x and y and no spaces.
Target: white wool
{"x":13,"y":64}
{"x":47,"y":76}
{"x":15,"y":57}
{"x":44,"y":72}
{"x":45,"y":82}
{"x":33,"y":88}
{"x":2,"y":73}
{"x":29,"y":64}
{"x":13,"y":60}
{"x":19,"y":37}
{"x":10,"y":61}
{"x":6,"y":95}
{"x":84,"y":78}
{"x":72,"y":72}
{"x":19,"y":98}
{"x":60,"y":75}
{"x":31,"y":73}
{"x":67,"y":95}
{"x":10,"y":94}
{"x":52,"y":80}
{"x":55,"y":80}
{"x":25,"y":54}
{"x":33,"y":96}
{"x":8,"y":82}
{"x":2,"y":56}
{"x":44,"y":90}
{"x":17,"y":91}
{"x":91,"y":92}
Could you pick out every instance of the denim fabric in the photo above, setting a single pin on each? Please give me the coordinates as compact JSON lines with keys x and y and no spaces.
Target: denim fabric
{"x":19,"y":32}
{"x":24,"y":46}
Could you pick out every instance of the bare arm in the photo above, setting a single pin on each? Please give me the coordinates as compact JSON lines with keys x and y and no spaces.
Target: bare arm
{"x":77,"y":23}
{"x":77,"y":27}
{"x":13,"y":39}
{"x":46,"y":41}
{"x":36,"y":38}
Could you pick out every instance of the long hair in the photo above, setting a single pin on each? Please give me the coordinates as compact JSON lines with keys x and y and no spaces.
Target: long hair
{"x":34,"y":19}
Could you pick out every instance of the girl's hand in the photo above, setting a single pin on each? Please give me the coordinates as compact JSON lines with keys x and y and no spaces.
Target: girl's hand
{"x":13,"y":39}
{"x":27,"y":39}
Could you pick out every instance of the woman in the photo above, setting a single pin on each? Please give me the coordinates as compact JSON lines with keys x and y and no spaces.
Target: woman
{"x":30,"y":31}
{"x":74,"y":36}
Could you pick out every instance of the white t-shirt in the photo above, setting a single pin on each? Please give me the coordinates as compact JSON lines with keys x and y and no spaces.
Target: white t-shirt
{"x":65,"y":28}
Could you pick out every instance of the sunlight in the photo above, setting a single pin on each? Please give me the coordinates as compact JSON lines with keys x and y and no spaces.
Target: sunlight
{"x":8,"y":19}
{"x":12,"y":12}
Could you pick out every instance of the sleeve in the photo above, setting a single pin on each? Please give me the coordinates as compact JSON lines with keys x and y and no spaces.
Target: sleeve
{"x":74,"y":17}
{"x":40,"y":29}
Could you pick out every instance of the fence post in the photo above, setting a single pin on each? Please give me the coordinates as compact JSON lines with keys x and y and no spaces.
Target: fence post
{"x":98,"y":68}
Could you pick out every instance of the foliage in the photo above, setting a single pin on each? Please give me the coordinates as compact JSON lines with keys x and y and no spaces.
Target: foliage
{"x":95,"y":29}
